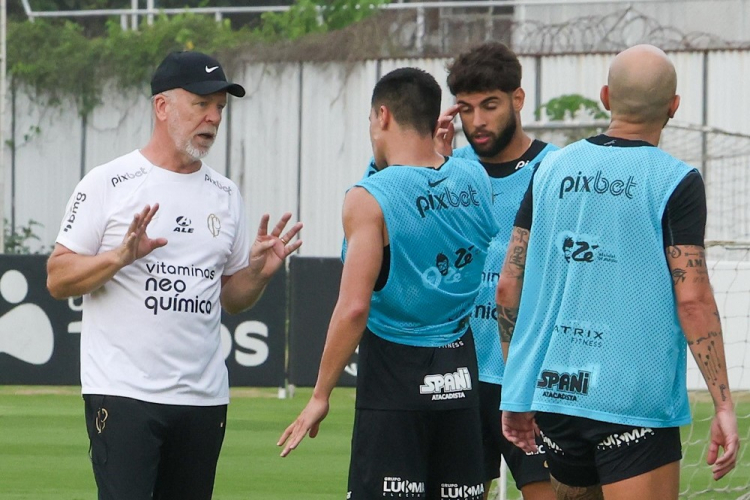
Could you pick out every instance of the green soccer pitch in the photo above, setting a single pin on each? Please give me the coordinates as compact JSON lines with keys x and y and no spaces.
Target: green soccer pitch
{"x":43,"y":448}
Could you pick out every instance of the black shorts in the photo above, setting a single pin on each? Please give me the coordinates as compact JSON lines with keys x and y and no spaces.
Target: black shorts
{"x":416,"y":428}
{"x":393,"y":376}
{"x":525,"y":468}
{"x":143,"y":450}
{"x":430,"y":455}
{"x":584,"y":452}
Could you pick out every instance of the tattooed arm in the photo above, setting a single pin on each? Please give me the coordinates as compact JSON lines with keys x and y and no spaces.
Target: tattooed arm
{"x":508,"y":294}
{"x":699,"y":318}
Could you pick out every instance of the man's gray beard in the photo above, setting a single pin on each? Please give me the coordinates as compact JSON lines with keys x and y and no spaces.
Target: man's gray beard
{"x":196,"y":153}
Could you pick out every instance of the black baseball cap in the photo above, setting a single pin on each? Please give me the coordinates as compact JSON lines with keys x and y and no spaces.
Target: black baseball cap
{"x":195,"y":72}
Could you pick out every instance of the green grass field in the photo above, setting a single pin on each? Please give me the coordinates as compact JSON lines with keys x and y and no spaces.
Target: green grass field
{"x":43,"y":449}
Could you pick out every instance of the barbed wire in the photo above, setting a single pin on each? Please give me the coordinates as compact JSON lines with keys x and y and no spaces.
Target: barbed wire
{"x":610,"y":32}
{"x":444,"y":32}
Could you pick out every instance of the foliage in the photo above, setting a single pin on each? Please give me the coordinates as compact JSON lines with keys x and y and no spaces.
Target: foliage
{"x":570,"y":106}
{"x":56,"y":60}
{"x":315,"y":16}
{"x":17,"y":240}
{"x":573,"y":107}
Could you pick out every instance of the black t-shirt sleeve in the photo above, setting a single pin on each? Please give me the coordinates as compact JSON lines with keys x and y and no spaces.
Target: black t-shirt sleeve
{"x":524,"y":214}
{"x":684,"y":219}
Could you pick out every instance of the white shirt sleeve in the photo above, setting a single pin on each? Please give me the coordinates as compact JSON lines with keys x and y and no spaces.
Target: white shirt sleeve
{"x":84,"y":222}
{"x":239,"y":257}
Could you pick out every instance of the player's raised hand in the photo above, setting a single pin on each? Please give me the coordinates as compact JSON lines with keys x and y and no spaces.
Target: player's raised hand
{"x":520,"y":429}
{"x":446,"y":131}
{"x":136,"y":243}
{"x":269,"y":250}
{"x":723,"y":435}
{"x":307,"y":421}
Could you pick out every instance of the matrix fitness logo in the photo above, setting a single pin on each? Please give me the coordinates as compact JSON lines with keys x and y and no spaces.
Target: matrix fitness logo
{"x":441,"y":197}
{"x":586,"y":336}
{"x":597,"y":184}
{"x":448,"y":385}
{"x":167,"y":290}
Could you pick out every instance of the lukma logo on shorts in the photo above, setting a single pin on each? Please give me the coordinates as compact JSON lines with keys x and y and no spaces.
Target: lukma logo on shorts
{"x":625,"y":438}
{"x":461,"y":491}
{"x":397,"y":487}
{"x":448,"y":385}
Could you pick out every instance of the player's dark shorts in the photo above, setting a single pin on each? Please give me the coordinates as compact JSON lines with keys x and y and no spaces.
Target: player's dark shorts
{"x":584,"y":452}
{"x":416,"y":432}
{"x":143,"y":450}
{"x":525,"y":468}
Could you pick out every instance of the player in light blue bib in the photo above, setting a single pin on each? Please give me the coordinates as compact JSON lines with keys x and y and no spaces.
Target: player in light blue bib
{"x":606,"y":276}
{"x":486,"y":82}
{"x":417,"y":234}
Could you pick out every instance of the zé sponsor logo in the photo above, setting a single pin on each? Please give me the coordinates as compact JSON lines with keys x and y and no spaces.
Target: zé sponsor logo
{"x":444,"y":198}
{"x":80,"y":198}
{"x":461,"y":491}
{"x":117,"y":179}
{"x":448,"y":385}
{"x":584,"y":248}
{"x":565,"y":386}
{"x":597,"y":184}
{"x":442,"y":272}
{"x":402,"y":488}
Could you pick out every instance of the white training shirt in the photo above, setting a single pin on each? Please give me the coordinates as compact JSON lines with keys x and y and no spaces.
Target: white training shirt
{"x":153,"y":331}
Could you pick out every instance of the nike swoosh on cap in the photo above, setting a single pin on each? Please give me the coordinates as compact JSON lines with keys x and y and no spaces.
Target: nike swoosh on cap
{"x":209,"y":70}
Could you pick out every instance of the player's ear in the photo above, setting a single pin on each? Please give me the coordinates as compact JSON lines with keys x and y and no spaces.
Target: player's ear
{"x":519,"y":97}
{"x":604,"y":96}
{"x":674,"y":105}
{"x":160,"y":106}
{"x":384,"y":117}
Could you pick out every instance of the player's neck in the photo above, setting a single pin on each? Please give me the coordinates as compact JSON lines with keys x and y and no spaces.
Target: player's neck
{"x":414,"y":151}
{"x":169,"y":158}
{"x":517,"y":146}
{"x":650,"y":133}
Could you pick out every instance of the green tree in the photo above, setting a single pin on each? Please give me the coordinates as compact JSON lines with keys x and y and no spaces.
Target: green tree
{"x":316,"y":16}
{"x":58,"y":59}
{"x":571,"y":106}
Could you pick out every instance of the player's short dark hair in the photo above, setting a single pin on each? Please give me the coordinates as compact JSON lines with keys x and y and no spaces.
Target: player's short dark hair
{"x":484,"y":68}
{"x":412,"y":95}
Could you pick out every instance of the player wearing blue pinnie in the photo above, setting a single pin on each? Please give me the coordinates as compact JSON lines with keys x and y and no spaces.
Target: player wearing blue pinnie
{"x":486,"y":82}
{"x":606,"y":276}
